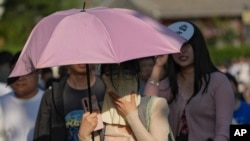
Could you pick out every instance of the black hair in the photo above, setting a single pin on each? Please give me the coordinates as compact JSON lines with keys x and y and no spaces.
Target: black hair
{"x":46,"y":70}
{"x":203,"y":65}
{"x":132,"y":65}
{"x":5,"y":57}
{"x":12,"y":64}
{"x":14,"y":59}
{"x":145,"y":58}
{"x":231,"y":78}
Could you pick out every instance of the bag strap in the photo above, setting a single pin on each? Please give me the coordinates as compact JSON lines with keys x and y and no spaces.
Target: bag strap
{"x":144,"y":109}
{"x":102,"y":132}
{"x":144,"y":114}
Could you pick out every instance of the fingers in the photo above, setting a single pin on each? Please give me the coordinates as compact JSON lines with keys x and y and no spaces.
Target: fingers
{"x":132,"y":98}
{"x":88,"y":124}
{"x":86,"y":114}
{"x":161,"y":60}
{"x":124,"y":106}
{"x":113,"y":95}
{"x":165,"y":56}
{"x":90,"y":117}
{"x":89,"y":120}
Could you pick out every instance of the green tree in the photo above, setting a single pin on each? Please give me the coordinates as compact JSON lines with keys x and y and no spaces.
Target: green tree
{"x":20,"y":17}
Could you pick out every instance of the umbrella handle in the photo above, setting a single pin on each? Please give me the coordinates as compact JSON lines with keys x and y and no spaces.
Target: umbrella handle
{"x":89,"y":88}
{"x":89,"y":94}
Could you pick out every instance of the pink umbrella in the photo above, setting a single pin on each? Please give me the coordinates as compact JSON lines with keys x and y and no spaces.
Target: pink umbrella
{"x":97,"y":35}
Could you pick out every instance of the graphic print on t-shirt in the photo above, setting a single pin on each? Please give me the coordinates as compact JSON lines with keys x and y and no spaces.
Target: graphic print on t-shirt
{"x":73,"y":120}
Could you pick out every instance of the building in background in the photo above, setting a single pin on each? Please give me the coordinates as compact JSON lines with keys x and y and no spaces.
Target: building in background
{"x":220,"y":20}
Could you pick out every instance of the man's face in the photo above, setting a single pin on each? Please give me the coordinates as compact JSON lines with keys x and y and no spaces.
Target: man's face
{"x":25,"y":85}
{"x":77,"y":69}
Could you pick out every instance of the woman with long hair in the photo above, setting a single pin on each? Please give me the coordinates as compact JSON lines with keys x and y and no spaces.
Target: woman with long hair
{"x":200,"y":97}
{"x":127,"y":115}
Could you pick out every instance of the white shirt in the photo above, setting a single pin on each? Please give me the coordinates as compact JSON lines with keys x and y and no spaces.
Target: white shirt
{"x":18,"y":117}
{"x":4,"y":89}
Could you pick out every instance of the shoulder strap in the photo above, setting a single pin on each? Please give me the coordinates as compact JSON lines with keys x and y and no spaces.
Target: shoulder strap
{"x":57,"y":96}
{"x":102,"y":133}
{"x":144,"y":114}
{"x":144,"y":109}
{"x":170,"y":135}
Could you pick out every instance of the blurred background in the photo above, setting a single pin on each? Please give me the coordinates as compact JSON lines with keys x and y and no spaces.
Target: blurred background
{"x":224,"y":23}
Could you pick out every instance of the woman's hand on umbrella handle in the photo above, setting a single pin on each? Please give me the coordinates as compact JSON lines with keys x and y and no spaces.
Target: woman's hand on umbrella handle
{"x":123,"y":106}
{"x":88,"y":124}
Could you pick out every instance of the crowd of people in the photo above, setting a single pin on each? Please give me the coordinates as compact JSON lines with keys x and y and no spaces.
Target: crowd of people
{"x":174,"y":97}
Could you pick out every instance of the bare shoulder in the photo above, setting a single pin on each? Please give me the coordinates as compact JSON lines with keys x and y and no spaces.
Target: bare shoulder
{"x":158,"y":99}
{"x":159,"y":103}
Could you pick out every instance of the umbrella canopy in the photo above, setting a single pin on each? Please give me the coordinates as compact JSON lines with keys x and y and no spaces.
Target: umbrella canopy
{"x":96,"y":35}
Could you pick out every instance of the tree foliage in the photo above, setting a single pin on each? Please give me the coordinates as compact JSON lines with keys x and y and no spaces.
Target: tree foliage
{"x":20,"y":17}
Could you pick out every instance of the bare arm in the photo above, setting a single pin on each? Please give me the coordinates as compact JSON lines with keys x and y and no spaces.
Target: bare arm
{"x":154,"y":80}
{"x":88,"y":124}
{"x":158,"y":67}
{"x":159,"y":126}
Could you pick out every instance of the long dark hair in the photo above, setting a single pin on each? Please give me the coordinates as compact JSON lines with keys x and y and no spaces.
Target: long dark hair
{"x":132,"y":65}
{"x":203,"y":65}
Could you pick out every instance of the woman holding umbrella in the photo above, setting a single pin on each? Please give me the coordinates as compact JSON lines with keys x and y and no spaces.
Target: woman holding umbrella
{"x":127,"y":116}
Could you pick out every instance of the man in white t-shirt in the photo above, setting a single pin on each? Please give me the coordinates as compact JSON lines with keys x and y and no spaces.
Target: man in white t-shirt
{"x":19,"y":107}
